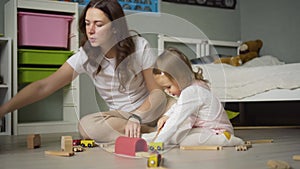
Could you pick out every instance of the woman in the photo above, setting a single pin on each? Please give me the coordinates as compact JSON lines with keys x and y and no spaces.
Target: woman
{"x":120,"y":67}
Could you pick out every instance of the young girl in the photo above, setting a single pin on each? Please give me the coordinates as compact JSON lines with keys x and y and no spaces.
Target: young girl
{"x":198,"y":117}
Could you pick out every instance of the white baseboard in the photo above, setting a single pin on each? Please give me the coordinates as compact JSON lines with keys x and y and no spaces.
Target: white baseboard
{"x":46,"y":127}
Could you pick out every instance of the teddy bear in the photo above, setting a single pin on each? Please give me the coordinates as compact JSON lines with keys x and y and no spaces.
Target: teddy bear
{"x":247,"y":51}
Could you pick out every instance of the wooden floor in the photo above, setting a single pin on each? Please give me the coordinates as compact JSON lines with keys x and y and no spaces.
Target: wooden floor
{"x":15,"y":155}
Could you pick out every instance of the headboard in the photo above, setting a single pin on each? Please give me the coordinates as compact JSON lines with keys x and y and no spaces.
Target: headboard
{"x":204,"y":47}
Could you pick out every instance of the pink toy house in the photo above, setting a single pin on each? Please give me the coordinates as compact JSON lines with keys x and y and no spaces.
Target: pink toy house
{"x":129,"y":146}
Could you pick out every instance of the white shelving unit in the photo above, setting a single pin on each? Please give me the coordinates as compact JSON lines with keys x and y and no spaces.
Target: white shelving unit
{"x":5,"y":87}
{"x":71,"y":93}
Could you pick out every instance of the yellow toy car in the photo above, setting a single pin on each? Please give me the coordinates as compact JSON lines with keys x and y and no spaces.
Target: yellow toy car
{"x":87,"y":143}
{"x":156,"y":146}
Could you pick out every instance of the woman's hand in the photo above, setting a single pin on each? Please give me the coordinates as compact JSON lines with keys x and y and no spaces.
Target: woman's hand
{"x":133,"y":128}
{"x":162,"y":121}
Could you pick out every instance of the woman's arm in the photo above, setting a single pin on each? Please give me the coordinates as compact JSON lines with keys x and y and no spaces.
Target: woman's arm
{"x":157,"y":98}
{"x":151,"y":109}
{"x":40,"y":89}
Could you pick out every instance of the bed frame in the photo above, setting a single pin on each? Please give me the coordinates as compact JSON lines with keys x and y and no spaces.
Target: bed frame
{"x":203,"y":47}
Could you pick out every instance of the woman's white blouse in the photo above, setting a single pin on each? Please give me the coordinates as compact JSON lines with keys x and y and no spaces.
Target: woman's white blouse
{"x":107,"y":83}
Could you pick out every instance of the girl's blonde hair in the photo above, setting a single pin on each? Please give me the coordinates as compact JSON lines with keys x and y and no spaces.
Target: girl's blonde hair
{"x":197,"y":74}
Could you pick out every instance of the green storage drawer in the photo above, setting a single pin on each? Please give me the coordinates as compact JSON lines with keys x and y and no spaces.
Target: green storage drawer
{"x":43,"y":57}
{"x":28,"y":75}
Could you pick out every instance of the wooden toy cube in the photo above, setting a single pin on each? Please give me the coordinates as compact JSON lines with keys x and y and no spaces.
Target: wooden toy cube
{"x":67,"y":143}
{"x":33,"y":141}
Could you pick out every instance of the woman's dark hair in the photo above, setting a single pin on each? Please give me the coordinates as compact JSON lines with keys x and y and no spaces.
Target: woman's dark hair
{"x":125,"y":45}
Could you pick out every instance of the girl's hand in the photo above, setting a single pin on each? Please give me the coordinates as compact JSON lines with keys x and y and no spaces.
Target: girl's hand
{"x":162,"y":121}
{"x":133,"y":128}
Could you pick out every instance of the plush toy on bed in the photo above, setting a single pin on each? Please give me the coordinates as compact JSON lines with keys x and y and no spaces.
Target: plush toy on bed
{"x":248,"y":50}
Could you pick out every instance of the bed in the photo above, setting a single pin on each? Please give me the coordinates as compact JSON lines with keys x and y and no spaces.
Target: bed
{"x":262,"y":79}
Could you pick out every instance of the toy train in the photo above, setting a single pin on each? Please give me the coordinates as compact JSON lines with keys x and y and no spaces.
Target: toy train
{"x":156,"y":146}
{"x":154,"y":160}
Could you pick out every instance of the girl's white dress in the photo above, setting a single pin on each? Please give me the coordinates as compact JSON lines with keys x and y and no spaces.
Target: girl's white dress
{"x":197,"y":118}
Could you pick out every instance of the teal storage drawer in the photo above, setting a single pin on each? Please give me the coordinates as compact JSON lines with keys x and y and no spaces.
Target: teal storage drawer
{"x":43,"y":57}
{"x":28,"y":75}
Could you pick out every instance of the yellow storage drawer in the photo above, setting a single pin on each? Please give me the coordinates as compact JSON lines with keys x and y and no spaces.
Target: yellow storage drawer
{"x":28,"y":75}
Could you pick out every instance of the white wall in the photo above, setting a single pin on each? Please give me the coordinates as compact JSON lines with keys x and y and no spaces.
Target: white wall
{"x":277,"y":23}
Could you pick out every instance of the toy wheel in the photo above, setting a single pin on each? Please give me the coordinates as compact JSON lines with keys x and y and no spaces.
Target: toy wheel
{"x":151,"y":163}
{"x":151,"y":148}
{"x":89,"y":145}
{"x":82,"y":145}
{"x":159,"y":148}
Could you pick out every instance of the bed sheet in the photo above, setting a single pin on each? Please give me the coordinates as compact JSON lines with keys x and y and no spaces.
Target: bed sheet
{"x":254,"y":77}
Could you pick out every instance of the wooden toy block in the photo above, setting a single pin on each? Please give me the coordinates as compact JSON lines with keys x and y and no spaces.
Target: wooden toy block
{"x":244,"y":147}
{"x":33,"y":141}
{"x":259,"y":141}
{"x":201,"y":147}
{"x":143,"y":154}
{"x":67,"y":143}
{"x":129,"y":146}
{"x":59,"y":153}
{"x":296,"y":157}
{"x":278,"y":164}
